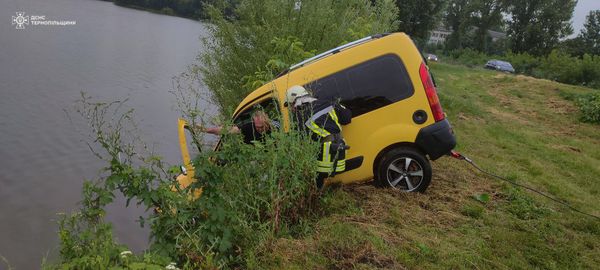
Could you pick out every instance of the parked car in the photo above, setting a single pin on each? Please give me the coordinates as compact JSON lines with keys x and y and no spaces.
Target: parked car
{"x":398,"y":125}
{"x":500,"y":65}
{"x":432,"y":57}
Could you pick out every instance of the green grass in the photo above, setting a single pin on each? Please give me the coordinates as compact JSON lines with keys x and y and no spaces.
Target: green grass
{"x":519,"y":127}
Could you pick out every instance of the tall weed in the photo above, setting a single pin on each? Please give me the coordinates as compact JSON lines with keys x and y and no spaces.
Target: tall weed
{"x":589,"y":105}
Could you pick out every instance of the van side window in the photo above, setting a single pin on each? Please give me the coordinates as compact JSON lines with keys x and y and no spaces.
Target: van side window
{"x":367,"y":86}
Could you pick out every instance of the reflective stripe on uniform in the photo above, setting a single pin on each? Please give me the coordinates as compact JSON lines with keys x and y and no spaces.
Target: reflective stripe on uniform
{"x":341,"y":165}
{"x":327,"y":166}
{"x":318,"y":130}
{"x":312,"y":125}
{"x":326,"y":149}
{"x":335,"y":118}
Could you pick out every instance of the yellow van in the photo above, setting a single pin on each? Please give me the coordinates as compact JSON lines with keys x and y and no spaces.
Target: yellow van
{"x":397,"y":121}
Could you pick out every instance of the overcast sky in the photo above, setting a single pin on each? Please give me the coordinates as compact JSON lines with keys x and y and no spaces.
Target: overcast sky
{"x":581,"y":10}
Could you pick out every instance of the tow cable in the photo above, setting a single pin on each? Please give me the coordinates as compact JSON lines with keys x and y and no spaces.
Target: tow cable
{"x":459,"y":156}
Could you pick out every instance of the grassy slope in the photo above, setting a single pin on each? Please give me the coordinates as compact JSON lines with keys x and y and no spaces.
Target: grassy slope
{"x":515,"y":126}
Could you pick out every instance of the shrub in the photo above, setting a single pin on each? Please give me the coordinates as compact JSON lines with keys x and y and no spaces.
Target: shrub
{"x":559,"y":66}
{"x":589,"y":106}
{"x":251,"y":43}
{"x":590,"y":71}
{"x":522,"y":62}
{"x":469,"y":57}
{"x":256,"y":193}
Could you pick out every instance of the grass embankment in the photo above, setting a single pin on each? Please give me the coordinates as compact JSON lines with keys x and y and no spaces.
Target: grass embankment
{"x":515,"y":126}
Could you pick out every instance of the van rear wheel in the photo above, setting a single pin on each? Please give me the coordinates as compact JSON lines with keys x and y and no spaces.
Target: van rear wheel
{"x":405,"y":169}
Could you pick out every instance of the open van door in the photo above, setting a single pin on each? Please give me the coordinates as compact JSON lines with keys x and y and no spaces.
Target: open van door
{"x":186,"y":177}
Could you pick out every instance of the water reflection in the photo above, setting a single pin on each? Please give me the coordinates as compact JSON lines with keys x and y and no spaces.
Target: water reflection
{"x":111,"y":53}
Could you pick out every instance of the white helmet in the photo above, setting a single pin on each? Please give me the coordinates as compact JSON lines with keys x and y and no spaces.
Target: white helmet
{"x":293,"y":93}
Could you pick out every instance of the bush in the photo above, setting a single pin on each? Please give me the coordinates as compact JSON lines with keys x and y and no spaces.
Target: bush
{"x":561,"y":67}
{"x":256,"y":193}
{"x":522,"y":62}
{"x":589,"y":106}
{"x":469,"y":57}
{"x":250,"y":44}
{"x":557,"y":66}
{"x":590,"y":71}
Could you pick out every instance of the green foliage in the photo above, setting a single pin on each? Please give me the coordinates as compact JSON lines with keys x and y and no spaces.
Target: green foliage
{"x":457,"y":20}
{"x":482,"y":197}
{"x":557,"y":66}
{"x":589,"y":105}
{"x":86,"y":242}
{"x":485,"y":15}
{"x":536,"y":27}
{"x":268,"y":36}
{"x":590,"y":34}
{"x":561,"y":67}
{"x":253,"y":193}
{"x":418,"y":18}
{"x":523,"y":206}
{"x":469,"y":57}
{"x":523,"y":62}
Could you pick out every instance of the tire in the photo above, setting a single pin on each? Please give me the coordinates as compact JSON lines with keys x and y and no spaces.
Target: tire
{"x":405,"y":169}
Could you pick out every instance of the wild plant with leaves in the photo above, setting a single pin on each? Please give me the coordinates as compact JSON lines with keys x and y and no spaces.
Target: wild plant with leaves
{"x":251,"y":195}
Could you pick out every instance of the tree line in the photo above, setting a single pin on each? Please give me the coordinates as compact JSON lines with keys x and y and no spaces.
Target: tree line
{"x":531,"y":26}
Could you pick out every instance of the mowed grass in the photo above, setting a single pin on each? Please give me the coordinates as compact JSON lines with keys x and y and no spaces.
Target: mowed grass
{"x":514,"y":126}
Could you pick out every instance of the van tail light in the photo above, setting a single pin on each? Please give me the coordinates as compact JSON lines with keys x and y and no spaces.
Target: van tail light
{"x":432,"y":97}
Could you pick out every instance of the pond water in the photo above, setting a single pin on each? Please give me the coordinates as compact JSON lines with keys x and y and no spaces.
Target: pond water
{"x":111,"y":53}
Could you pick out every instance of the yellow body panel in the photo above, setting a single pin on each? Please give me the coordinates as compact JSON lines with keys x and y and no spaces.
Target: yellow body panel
{"x":369,"y":133}
{"x":187,"y":179}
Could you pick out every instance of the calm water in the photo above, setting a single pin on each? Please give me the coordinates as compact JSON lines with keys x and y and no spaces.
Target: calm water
{"x":111,"y":53}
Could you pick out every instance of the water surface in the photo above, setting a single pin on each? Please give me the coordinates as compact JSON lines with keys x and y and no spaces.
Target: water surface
{"x":111,"y":53}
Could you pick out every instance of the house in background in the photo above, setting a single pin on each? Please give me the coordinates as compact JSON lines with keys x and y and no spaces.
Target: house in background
{"x":439,"y":36}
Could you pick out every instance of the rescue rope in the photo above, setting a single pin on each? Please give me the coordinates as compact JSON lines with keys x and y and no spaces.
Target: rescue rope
{"x":468,"y":160}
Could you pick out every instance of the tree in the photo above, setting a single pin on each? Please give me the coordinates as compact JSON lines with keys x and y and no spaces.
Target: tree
{"x":418,"y":17}
{"x":537,"y":26}
{"x":485,"y":15}
{"x":590,"y":34}
{"x":457,"y":20}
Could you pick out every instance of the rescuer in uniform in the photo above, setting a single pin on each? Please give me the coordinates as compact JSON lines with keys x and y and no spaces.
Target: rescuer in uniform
{"x":322,"y":120}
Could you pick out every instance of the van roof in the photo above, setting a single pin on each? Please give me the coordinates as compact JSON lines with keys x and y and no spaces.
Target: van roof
{"x":331,"y":52}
